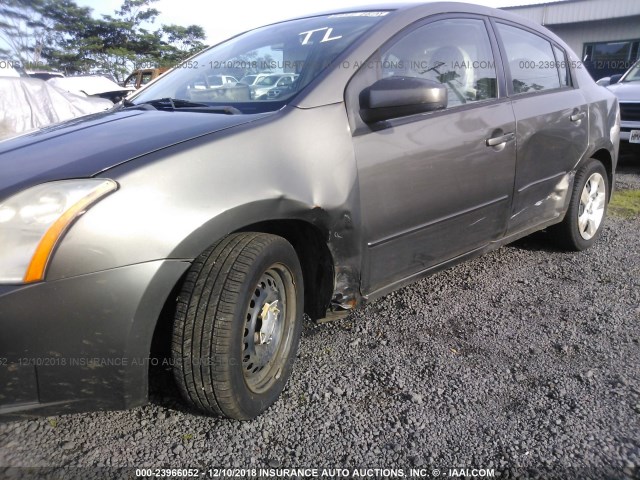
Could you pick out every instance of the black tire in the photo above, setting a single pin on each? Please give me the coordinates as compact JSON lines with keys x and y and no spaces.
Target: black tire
{"x":248,"y":283}
{"x":571,"y":233}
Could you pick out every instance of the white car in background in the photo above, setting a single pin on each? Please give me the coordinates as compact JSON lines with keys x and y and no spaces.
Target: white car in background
{"x":214,"y":81}
{"x":627,"y":89}
{"x":260,"y":89}
{"x":253,"y":78}
{"x":92,"y":86}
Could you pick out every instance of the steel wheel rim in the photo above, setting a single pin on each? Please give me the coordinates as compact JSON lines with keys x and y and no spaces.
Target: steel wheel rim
{"x":592,"y":203}
{"x":267,"y":332}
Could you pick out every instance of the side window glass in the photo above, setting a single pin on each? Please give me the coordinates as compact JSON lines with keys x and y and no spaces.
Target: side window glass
{"x":454,"y":52}
{"x":146,"y":78}
{"x":563,"y":67}
{"x":131,"y":81}
{"x":530,"y":60}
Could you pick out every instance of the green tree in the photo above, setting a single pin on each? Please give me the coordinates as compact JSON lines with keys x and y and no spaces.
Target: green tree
{"x":23,"y":30}
{"x":186,"y":39}
{"x":68,"y":38}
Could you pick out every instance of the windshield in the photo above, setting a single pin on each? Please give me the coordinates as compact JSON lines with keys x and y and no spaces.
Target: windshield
{"x":298,"y":50}
{"x":633,"y":75}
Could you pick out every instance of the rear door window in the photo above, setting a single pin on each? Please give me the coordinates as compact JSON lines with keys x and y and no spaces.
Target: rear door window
{"x":530,"y":60}
{"x":563,"y":67}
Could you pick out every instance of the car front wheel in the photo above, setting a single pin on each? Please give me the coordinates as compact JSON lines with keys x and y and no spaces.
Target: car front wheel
{"x":237,"y":326}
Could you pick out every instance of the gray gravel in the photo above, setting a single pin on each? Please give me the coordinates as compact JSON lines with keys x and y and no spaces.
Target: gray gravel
{"x":526,"y":360}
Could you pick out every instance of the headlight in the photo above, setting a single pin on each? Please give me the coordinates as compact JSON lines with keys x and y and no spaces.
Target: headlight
{"x":33,"y":221}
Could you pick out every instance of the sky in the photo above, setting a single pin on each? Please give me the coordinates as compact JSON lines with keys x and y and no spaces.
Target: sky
{"x":224,"y":19}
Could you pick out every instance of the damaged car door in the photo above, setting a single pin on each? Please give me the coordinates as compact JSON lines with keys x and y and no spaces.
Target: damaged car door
{"x":438,"y":184}
{"x":552,"y":125}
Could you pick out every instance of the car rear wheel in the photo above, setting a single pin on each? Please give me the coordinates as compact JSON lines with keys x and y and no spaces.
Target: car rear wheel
{"x":237,"y":326}
{"x":584,"y":220}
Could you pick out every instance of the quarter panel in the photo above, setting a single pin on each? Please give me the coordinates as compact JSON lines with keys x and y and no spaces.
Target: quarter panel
{"x":549,"y":146}
{"x":603,"y":109}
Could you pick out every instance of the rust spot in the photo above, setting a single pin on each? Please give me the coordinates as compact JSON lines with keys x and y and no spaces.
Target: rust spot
{"x":352,"y":303}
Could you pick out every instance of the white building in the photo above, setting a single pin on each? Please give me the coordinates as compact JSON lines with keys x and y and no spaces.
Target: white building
{"x":604,"y":33}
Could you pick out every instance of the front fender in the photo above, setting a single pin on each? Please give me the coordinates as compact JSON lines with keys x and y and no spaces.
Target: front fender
{"x":176,"y":202}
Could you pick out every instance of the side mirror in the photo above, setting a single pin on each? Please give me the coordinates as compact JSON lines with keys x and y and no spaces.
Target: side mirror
{"x":401,"y":96}
{"x":615,"y":78}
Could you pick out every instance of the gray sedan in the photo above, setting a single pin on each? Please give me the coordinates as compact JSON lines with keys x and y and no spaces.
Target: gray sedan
{"x":193,"y":227}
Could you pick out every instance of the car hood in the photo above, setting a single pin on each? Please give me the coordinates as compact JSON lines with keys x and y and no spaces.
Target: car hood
{"x":626,"y":92}
{"x":88,"y":145}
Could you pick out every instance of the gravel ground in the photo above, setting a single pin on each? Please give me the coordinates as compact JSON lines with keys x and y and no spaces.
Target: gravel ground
{"x":526,"y":360}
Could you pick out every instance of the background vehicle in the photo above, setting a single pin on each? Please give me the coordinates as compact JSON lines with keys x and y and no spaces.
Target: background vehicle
{"x":30,"y":103}
{"x":207,"y":81}
{"x":44,"y":74}
{"x":253,"y":78}
{"x":143,"y":76}
{"x":261,"y":88}
{"x":93,"y":86}
{"x":627,"y":89}
{"x":208,"y":220}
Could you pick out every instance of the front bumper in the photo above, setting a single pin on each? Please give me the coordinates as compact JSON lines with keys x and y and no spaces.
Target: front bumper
{"x":82,"y":343}
{"x":630,"y":118}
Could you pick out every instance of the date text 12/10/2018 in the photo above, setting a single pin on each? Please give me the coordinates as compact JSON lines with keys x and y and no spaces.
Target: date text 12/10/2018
{"x":317,"y":473}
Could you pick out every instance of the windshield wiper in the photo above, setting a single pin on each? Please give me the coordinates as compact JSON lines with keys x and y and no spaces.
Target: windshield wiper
{"x":173,"y":104}
{"x":162,"y":103}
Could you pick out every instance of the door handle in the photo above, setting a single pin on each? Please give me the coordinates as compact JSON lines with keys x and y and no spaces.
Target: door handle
{"x":576,"y":117}
{"x":495,"y":141}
